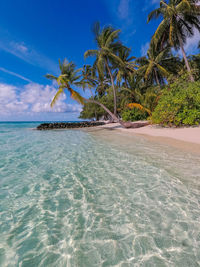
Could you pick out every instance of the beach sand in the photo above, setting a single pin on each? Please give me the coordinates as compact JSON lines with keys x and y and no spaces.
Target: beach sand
{"x":187,"y":139}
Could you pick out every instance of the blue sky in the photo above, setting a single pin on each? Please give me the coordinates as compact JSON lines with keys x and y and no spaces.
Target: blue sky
{"x":34,"y":34}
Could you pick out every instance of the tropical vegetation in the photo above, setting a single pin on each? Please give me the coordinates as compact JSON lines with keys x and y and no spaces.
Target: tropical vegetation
{"x":162,"y":86}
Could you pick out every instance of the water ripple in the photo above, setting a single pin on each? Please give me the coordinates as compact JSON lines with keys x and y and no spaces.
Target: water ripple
{"x":68,"y":198}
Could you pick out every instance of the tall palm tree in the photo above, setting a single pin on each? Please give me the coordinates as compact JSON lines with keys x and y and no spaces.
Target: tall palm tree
{"x":157,"y":66}
{"x":128,"y":67}
{"x":107,"y":40}
{"x":180,"y":18}
{"x":89,"y":80}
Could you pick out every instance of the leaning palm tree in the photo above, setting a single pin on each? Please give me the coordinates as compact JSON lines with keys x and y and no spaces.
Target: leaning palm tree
{"x":157,"y":66}
{"x":107,"y":46}
{"x":180,"y":18}
{"x":69,"y":78}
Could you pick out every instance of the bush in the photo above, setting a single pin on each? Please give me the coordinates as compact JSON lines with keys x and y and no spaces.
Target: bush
{"x":179,"y":104}
{"x":133,"y":115}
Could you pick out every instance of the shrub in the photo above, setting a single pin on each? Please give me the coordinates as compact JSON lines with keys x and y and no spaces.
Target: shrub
{"x":179,"y":104}
{"x":134,"y":114}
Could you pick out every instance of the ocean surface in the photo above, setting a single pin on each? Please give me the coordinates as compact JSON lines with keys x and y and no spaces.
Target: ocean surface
{"x":78,"y":198}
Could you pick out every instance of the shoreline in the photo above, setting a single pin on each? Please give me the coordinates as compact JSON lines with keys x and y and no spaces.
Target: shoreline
{"x":186,"y":139}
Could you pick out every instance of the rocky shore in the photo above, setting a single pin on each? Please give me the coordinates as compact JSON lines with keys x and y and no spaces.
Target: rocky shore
{"x":68,"y":125}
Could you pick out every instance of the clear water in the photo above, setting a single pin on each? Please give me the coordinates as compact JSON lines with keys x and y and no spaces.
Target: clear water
{"x":73,"y":198}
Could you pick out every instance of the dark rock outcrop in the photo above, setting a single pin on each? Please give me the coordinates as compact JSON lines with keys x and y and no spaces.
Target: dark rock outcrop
{"x":67,"y":125}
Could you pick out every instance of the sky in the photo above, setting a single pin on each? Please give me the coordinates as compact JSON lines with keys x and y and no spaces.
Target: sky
{"x":34,"y":34}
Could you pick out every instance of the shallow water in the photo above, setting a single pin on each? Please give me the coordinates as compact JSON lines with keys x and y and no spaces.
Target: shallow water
{"x":72,"y":198}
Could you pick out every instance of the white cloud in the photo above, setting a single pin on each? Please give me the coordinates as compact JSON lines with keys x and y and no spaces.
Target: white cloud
{"x":144,"y":49}
{"x":32,"y":99}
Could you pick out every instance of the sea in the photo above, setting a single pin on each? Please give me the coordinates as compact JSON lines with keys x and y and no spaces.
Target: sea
{"x":82,"y":198}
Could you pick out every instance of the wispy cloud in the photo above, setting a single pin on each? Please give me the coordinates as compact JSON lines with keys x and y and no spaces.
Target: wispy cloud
{"x":144,"y":49}
{"x":26,"y":53}
{"x":123,"y":9}
{"x":150,"y":4}
{"x":15,"y":74}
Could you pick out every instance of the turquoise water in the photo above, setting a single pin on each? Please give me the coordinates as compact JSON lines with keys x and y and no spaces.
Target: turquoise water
{"x":75,"y":198}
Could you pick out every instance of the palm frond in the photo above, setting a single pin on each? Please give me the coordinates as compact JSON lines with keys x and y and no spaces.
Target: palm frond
{"x":140,"y":107}
{"x":57,"y":95}
{"x":113,"y":35}
{"x":51,"y":77}
{"x":77,"y":97}
{"x":90,"y":53}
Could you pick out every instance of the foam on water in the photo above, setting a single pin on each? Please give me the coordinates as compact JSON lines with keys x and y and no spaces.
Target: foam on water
{"x":69,"y":198}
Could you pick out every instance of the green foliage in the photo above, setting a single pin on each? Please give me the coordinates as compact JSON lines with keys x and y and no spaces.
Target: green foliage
{"x":179,"y":104}
{"x":117,"y":79}
{"x":93,"y":111}
{"x":134,"y":114}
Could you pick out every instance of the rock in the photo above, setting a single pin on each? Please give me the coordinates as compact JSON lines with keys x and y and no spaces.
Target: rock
{"x":68,"y":125}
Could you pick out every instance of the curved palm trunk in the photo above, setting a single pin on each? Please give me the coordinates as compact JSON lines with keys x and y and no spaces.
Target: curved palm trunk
{"x":115,"y":118}
{"x":185,"y":58}
{"x":113,"y":86}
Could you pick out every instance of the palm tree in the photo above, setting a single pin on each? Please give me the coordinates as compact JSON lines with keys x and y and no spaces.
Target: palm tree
{"x":107,"y":46}
{"x":157,"y":66}
{"x":69,"y":77}
{"x":180,"y":18}
{"x":89,"y":80}
{"x":128,"y":67}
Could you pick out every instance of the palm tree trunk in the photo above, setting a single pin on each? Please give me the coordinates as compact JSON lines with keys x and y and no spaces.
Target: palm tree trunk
{"x":157,"y":80}
{"x":95,"y":112}
{"x":115,"y":118}
{"x":185,"y":57}
{"x":113,"y":86}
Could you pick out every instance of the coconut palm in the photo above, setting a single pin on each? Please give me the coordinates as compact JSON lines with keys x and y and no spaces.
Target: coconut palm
{"x":180,"y":18}
{"x":123,"y":71}
{"x":108,"y":44}
{"x":157,"y":66}
{"x":69,"y":77}
{"x":89,"y":80}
